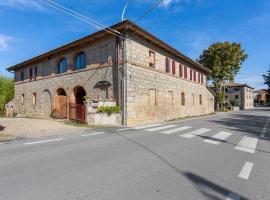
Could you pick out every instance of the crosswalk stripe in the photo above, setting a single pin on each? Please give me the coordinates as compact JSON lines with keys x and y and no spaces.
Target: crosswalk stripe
{"x":160,"y":128}
{"x":218,"y":138}
{"x":247,"y":144}
{"x":246,"y":170}
{"x":176,"y":130}
{"x":195,"y":133}
{"x":147,"y":126}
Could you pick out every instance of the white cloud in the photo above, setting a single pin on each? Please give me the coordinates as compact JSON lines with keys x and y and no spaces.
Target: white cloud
{"x":21,"y":4}
{"x":5,"y":41}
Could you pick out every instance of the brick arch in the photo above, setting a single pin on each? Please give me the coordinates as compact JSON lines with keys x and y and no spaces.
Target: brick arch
{"x":60,"y":103}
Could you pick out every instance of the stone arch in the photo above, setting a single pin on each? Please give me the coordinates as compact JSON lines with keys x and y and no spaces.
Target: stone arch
{"x":76,"y":104}
{"x":60,"y":104}
{"x":79,"y":95}
{"x":46,"y":103}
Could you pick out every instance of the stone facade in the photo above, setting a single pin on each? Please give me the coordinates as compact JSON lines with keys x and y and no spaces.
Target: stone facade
{"x":147,"y":81}
{"x":240,"y":93}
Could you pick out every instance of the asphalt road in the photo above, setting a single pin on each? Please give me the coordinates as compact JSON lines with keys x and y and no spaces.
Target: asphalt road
{"x":223,"y":156}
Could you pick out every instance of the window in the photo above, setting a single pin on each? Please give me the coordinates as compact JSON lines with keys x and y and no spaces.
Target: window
{"x":167,"y":62}
{"x":180,"y":70}
{"x":200,"y":99}
{"x":152,"y":97}
{"x":22,"y":99}
{"x":34,"y":99}
{"x":80,"y":61}
{"x":236,"y":96}
{"x":36,"y":72}
{"x":194,"y":76}
{"x":190,"y":74}
{"x":173,"y":67}
{"x":183,"y":99}
{"x":62,"y":66}
{"x":152,"y":59}
{"x":30,"y":74}
{"x":185,"y":71}
{"x":22,"y":75}
{"x":199,"y":76}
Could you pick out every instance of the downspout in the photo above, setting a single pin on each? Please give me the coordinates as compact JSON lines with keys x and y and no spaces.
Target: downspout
{"x":124,"y":80}
{"x":118,"y":86}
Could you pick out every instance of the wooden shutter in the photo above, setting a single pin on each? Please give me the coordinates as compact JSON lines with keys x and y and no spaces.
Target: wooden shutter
{"x":167,"y":63}
{"x":190,"y":74}
{"x":194,"y":76}
{"x":185,"y":72}
{"x":180,"y":70}
{"x":173,"y":67}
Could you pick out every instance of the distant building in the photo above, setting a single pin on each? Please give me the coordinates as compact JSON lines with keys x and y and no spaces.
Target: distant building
{"x":260,"y":96}
{"x":237,"y":94}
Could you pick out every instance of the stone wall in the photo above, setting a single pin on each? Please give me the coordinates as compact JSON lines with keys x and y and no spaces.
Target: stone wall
{"x":36,"y":97}
{"x":154,"y":95}
{"x":248,"y":102}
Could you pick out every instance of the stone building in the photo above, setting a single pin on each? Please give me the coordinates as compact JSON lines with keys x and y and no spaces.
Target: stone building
{"x":260,"y":96}
{"x":242,"y":94}
{"x":124,"y":65}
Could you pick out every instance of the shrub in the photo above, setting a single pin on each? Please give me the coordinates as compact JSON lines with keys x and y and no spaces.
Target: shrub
{"x":109,"y":109}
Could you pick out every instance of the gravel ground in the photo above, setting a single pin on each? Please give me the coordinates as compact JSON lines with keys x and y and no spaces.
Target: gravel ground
{"x":19,"y":128}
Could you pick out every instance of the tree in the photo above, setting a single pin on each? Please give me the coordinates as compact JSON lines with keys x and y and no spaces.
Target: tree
{"x":6,"y":92}
{"x":224,"y":59}
{"x":267,"y":82}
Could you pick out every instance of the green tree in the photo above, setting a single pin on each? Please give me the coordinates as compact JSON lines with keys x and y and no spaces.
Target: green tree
{"x":224,"y":59}
{"x":266,"y":78}
{"x":6,"y":92}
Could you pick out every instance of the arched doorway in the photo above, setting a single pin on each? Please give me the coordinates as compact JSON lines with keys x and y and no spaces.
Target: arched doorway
{"x":60,"y":104}
{"x":46,"y":104}
{"x":76,"y":106}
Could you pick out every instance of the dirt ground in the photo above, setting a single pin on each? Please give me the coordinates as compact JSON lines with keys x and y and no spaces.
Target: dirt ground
{"x":19,"y":128}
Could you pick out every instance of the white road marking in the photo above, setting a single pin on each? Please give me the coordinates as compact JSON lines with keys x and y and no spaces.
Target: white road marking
{"x":43,"y":141}
{"x":247,"y":144}
{"x":246,"y":170}
{"x":160,"y":128}
{"x":232,"y":196}
{"x":176,"y":130}
{"x":195,"y":133}
{"x":262,"y":135}
{"x":218,"y":138}
{"x":147,"y":126}
{"x":90,"y":134}
{"x":123,"y":129}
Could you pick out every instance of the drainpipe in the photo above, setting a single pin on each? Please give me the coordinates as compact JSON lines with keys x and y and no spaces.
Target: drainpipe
{"x":124,"y":80}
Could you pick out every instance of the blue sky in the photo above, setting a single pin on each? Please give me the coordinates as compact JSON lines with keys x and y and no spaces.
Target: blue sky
{"x":28,"y":27}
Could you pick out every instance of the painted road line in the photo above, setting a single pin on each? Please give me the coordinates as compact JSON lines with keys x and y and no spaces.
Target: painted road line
{"x":44,"y":141}
{"x":176,"y":130}
{"x":147,"y":126}
{"x":90,"y":134}
{"x":218,"y":138}
{"x":195,"y":133}
{"x":247,"y":144}
{"x":262,"y":135}
{"x":232,"y":196}
{"x":246,"y":170}
{"x":123,"y":129}
{"x":160,"y":128}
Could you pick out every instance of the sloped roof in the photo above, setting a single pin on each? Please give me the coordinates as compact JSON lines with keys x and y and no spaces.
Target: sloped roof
{"x":126,"y":25}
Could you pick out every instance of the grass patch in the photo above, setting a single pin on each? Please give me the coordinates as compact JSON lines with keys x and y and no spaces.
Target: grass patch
{"x":189,"y":117}
{"x":5,"y":137}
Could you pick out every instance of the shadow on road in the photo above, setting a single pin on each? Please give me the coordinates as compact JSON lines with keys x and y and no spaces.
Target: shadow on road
{"x":2,"y":128}
{"x":251,"y":124}
{"x":208,"y":188}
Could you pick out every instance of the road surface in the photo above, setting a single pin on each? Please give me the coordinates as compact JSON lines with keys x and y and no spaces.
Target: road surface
{"x":222,"y":156}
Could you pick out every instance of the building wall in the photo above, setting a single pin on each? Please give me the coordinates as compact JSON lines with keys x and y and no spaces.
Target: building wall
{"x":100,"y":57}
{"x":248,"y":98}
{"x":154,"y":95}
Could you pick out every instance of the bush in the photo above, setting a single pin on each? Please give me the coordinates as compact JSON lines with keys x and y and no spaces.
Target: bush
{"x":109,"y":109}
{"x":234,"y":102}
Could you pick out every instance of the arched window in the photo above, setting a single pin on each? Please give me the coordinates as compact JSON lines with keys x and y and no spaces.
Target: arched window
{"x":80,"y":61}
{"x":62,"y":66}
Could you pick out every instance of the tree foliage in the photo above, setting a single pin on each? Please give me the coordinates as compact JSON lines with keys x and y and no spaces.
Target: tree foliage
{"x":6,"y":92}
{"x":267,"y":79}
{"x":224,"y":59}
